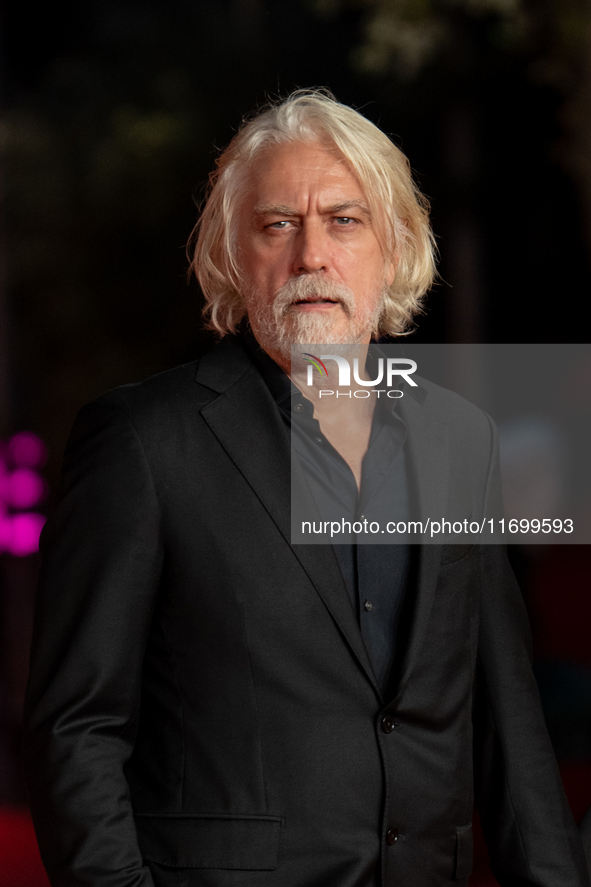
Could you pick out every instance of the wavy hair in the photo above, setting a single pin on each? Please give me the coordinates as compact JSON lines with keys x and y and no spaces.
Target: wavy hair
{"x":399,"y":210}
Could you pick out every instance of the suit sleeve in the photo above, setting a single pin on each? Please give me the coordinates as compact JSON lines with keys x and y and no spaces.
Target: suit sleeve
{"x":529,"y":829}
{"x":101,"y":563}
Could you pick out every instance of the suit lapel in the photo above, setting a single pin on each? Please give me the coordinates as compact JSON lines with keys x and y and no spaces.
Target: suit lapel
{"x":428,"y":461}
{"x":428,"y":458}
{"x":247,"y":423}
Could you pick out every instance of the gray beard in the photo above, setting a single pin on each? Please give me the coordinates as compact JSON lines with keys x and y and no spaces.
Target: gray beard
{"x":282,"y":327}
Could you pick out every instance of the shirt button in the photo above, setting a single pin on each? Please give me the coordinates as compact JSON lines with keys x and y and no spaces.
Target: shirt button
{"x":318,"y":440}
{"x":368,"y":606}
{"x":298,"y":407}
{"x":391,"y":836}
{"x":387,"y":724}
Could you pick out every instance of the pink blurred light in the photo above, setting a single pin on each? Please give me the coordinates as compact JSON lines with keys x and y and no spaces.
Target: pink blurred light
{"x":26,"y":529}
{"x":3,"y":483}
{"x":26,"y":450}
{"x":22,"y":488}
{"x":5,"y":533}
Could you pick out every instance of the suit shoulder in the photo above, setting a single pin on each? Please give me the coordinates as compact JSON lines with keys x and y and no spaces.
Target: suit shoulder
{"x":150,"y":409}
{"x":161,"y":393}
{"x":182,"y":388}
{"x":169,"y":402}
{"x":449,"y":409}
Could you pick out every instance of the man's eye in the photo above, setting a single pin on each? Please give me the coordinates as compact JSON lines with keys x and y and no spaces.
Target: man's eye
{"x":279,"y":225}
{"x":344,"y":221}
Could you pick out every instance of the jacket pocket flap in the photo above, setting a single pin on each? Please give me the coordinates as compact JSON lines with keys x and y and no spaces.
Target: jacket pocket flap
{"x":210,"y":841}
{"x":463,"y":866}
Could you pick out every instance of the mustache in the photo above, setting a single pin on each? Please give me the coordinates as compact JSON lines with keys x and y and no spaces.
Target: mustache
{"x":308,"y":287}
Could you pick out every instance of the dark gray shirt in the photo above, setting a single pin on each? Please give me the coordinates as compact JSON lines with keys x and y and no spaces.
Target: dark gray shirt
{"x":376,"y":575}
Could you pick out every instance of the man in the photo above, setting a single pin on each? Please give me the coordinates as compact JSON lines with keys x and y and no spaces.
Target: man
{"x":206,"y":704}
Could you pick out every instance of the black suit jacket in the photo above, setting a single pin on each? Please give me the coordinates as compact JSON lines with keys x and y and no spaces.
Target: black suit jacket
{"x":201,"y":709}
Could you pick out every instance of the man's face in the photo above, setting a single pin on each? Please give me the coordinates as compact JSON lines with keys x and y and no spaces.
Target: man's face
{"x":312,"y":265}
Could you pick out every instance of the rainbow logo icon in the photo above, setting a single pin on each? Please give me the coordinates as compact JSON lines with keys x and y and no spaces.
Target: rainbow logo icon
{"x":315,"y":362}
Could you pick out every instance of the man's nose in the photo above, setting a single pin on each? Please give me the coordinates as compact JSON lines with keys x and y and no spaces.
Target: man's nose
{"x":312,"y":248}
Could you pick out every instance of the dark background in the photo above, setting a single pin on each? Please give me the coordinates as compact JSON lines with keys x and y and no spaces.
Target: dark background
{"x":111,"y":116}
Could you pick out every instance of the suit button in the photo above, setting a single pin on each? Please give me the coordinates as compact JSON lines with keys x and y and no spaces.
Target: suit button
{"x":387,"y":724}
{"x":391,"y":836}
{"x":298,"y":408}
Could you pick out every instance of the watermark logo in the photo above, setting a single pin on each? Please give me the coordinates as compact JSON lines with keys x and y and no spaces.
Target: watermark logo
{"x":394,"y":366}
{"x":314,"y":361}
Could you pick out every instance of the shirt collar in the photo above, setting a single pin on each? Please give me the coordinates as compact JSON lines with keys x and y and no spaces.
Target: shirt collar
{"x":276,"y":380}
{"x":284,"y":392}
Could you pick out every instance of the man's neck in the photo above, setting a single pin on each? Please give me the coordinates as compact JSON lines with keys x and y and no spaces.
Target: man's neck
{"x":345,"y":420}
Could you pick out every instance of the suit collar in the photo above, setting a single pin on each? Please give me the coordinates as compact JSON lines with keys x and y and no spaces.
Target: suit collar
{"x":220,"y":368}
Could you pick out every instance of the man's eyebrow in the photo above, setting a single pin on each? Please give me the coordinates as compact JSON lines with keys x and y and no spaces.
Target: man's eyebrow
{"x":272,"y":209}
{"x":349,"y":204}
